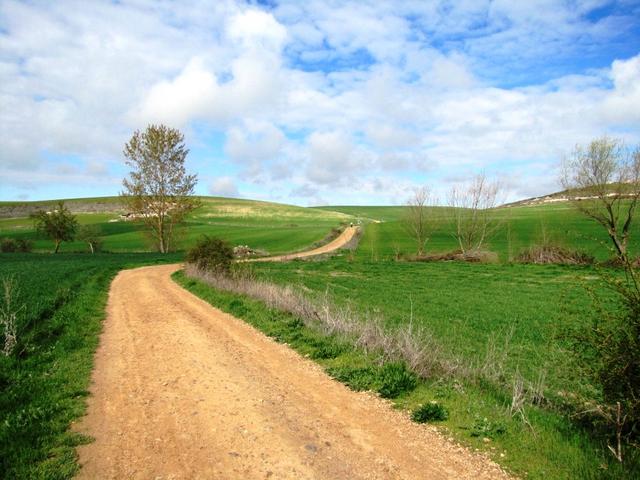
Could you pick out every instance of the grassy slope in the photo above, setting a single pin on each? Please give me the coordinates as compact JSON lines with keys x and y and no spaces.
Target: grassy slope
{"x":43,"y":386}
{"x":521,"y":227}
{"x":272,"y":227}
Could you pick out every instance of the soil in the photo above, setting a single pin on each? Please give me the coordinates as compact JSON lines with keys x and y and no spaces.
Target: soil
{"x":181,"y":390}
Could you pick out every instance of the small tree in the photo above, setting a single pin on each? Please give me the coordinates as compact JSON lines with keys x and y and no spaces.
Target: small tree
{"x":473,"y":214}
{"x":59,"y":225}
{"x":603,"y":182}
{"x":418,"y":221}
{"x":91,"y":234}
{"x":159,"y":190}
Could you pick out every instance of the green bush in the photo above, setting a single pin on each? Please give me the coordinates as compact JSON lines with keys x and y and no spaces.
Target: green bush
{"x":211,"y":254}
{"x":396,"y":379}
{"x":10,"y":245}
{"x":430,"y":412}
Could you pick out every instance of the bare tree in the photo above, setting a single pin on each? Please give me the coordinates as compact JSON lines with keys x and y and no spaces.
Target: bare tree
{"x":603,"y":182}
{"x":418,"y":221}
{"x":473,"y":214}
{"x":159,"y":191}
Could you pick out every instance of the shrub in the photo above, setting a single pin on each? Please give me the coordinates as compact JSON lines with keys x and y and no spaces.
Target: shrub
{"x":430,"y":412}
{"x":8,"y":245}
{"x":24,"y":245}
{"x":549,"y":253}
{"x":471,"y":256}
{"x":611,"y":347}
{"x":396,"y":379}
{"x":211,"y":254}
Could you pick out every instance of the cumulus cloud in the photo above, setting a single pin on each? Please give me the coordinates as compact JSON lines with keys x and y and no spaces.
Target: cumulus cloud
{"x":306,"y":102}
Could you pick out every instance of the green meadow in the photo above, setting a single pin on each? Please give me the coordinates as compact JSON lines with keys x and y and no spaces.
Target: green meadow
{"x":517,"y":228}
{"x":270,"y":227}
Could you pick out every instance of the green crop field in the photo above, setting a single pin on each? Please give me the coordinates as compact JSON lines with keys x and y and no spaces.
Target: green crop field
{"x":519,"y":227}
{"x":270,"y":227}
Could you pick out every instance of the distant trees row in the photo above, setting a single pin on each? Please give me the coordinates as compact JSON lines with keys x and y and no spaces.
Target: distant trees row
{"x":602,"y":180}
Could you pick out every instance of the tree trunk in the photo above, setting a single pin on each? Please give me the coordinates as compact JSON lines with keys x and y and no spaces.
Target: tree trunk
{"x":57,"y":246}
{"x":91,"y":247}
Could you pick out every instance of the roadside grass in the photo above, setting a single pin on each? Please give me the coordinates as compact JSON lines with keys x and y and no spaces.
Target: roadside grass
{"x":271,"y":227}
{"x":504,"y":322}
{"x":43,"y":385}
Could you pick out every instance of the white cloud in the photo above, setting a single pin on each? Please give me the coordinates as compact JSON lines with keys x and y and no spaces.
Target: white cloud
{"x":224,"y":187}
{"x":313,"y":98}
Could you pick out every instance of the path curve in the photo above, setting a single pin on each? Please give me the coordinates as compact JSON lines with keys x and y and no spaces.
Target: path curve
{"x":339,"y":242}
{"x":181,"y":390}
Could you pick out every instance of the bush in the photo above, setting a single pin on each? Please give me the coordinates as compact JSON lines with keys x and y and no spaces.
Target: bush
{"x":10,"y":245}
{"x":390,"y":380}
{"x":549,"y":253}
{"x":430,"y":412}
{"x":211,"y":254}
{"x":471,"y":256}
{"x":396,"y":379}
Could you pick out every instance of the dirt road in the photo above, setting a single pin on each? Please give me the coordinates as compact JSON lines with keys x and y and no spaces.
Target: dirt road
{"x":181,"y":390}
{"x":343,"y":239}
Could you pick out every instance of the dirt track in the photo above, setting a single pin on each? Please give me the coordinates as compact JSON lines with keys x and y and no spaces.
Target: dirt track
{"x":181,"y":390}
{"x":344,"y":238}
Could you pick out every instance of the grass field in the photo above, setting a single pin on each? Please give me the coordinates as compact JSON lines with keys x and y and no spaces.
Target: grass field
{"x":272,"y":227}
{"x":519,"y":228}
{"x":44,"y":383}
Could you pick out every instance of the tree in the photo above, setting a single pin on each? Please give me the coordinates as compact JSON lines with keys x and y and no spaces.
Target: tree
{"x":159,"y":190}
{"x":603,"y":182}
{"x":418,"y":221}
{"x":91,"y":234}
{"x":473,"y":214}
{"x":59,"y":225}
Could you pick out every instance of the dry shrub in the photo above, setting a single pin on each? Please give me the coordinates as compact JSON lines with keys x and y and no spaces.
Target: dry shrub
{"x":472,"y":256}
{"x":554,"y":254}
{"x":415,"y":346}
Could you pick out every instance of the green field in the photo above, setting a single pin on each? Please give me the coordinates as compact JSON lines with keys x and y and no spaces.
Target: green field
{"x":519,"y":228}
{"x":271,"y":227}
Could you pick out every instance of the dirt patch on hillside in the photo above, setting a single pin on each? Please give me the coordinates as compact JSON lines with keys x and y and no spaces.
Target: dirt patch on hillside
{"x":181,"y":390}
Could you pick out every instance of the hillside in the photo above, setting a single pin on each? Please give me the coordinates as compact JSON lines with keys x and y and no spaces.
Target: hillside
{"x":271,"y":227}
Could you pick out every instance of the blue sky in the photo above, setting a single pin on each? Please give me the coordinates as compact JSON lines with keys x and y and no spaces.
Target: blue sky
{"x":315,"y":102}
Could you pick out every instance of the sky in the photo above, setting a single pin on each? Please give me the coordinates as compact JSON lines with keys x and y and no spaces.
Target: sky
{"x":314,"y":102}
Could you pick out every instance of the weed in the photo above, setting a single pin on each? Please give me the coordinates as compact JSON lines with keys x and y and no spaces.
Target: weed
{"x":430,"y":412}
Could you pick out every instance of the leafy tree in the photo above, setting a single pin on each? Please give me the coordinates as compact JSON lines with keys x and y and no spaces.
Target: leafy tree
{"x":91,"y":234}
{"x":59,"y":225}
{"x":159,"y":191}
{"x":603,"y":182}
